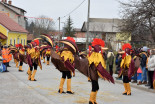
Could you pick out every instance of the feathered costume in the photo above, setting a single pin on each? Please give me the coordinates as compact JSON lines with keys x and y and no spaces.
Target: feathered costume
{"x":127,"y":68}
{"x":64,"y":62}
{"x":94,"y":67}
{"x":19,"y":55}
{"x":48,"y":54}
{"x":33,"y":58}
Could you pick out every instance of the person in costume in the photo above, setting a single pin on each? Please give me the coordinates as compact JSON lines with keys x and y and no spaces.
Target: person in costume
{"x":48,"y":54}
{"x":33,"y":58}
{"x":67,"y":57}
{"x":128,"y":67}
{"x":22,"y":57}
{"x":94,"y":67}
{"x":63,"y":61}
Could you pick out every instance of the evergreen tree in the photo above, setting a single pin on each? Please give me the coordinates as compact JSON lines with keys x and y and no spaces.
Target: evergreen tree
{"x":69,"y":30}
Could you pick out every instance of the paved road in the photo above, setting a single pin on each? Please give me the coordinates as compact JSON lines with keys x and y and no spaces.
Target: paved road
{"x":16,"y":89}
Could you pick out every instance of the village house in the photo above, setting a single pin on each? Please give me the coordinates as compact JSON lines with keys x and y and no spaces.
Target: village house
{"x":11,"y":32}
{"x":15,"y":13}
{"x":108,"y":30}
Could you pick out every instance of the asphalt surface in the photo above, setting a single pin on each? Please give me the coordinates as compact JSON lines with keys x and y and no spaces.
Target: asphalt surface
{"x":15,"y":88}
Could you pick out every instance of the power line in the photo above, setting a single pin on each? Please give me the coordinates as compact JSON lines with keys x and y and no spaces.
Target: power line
{"x":73,"y":9}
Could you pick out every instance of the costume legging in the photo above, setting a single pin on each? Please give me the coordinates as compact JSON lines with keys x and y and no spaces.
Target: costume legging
{"x":66,"y":74}
{"x":21,"y":63}
{"x":48,"y":58}
{"x":33,"y":65}
{"x":95,"y":85}
{"x":126,"y":79}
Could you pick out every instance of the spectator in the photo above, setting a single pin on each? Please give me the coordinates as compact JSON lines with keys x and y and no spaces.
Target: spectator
{"x":118,"y":62}
{"x":5,"y":55}
{"x":143,"y":66}
{"x":151,"y":67}
{"x":110,"y":61}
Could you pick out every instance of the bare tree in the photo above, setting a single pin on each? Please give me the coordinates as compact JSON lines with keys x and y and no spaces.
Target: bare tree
{"x":139,"y":18}
{"x":41,"y":25}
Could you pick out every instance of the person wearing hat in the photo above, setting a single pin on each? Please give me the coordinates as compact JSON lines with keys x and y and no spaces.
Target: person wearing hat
{"x":5,"y":55}
{"x":144,"y":58}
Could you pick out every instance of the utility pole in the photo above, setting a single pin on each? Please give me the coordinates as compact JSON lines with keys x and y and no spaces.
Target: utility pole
{"x":59,"y":32}
{"x":87,"y":40}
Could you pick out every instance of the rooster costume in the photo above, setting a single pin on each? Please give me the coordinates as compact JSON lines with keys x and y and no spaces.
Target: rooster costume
{"x":94,"y":67}
{"x":127,"y":68}
{"x":33,"y":58}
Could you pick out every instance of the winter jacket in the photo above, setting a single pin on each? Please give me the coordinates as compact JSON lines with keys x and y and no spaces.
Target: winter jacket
{"x":144,"y":59}
{"x":151,"y":63}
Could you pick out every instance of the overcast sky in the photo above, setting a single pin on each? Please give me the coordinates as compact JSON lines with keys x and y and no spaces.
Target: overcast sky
{"x":59,"y":8}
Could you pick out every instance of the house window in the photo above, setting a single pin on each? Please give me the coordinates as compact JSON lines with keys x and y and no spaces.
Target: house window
{"x":21,"y":41}
{"x":18,"y":41}
{"x":10,"y":41}
{"x":14,"y":42}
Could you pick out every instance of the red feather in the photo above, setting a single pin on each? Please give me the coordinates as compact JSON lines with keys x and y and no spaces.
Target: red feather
{"x":71,"y":39}
{"x":127,"y":45}
{"x":17,"y":45}
{"x":20,"y":45}
{"x":97,"y":41}
{"x":36,"y":41}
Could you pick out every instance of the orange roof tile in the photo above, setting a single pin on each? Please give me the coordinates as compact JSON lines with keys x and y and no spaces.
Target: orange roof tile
{"x":11,"y":24}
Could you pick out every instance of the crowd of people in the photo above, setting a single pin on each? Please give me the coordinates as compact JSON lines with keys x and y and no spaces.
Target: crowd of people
{"x":94,"y":64}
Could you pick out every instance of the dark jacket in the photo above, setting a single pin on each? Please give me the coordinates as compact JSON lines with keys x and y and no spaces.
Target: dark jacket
{"x":143,"y":60}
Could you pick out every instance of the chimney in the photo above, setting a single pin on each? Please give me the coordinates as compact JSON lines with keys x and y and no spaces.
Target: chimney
{"x":3,"y":1}
{"x":10,"y":2}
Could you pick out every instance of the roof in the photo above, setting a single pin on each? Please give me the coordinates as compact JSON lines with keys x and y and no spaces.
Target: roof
{"x":102,"y":25}
{"x":11,"y":7}
{"x":2,"y":36}
{"x":10,"y":24}
{"x":14,"y":7}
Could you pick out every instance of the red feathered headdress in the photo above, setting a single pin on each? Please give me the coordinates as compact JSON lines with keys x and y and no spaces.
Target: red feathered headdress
{"x":97,"y":41}
{"x":17,"y":45}
{"x":127,"y":45}
{"x":20,"y":45}
{"x":36,"y":41}
{"x":71,"y":39}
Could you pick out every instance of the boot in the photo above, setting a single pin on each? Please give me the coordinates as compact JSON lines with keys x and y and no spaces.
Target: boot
{"x":61,"y":85}
{"x":125,"y":87}
{"x":69,"y":87}
{"x":33,"y":75}
{"x":42,"y":57}
{"x":29,"y":73}
{"x":92,"y":98}
{"x":15,"y":61}
{"x":20,"y":69}
{"x":128,"y":89}
{"x":95,"y":97}
{"x":89,"y":80}
{"x":48,"y":63}
{"x":17,"y":64}
{"x":44,"y":60}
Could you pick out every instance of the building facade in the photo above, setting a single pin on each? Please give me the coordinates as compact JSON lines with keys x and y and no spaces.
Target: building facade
{"x":11,"y":32}
{"x":15,"y":13}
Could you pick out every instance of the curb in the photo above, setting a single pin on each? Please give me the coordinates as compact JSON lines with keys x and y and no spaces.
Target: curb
{"x":140,"y":87}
